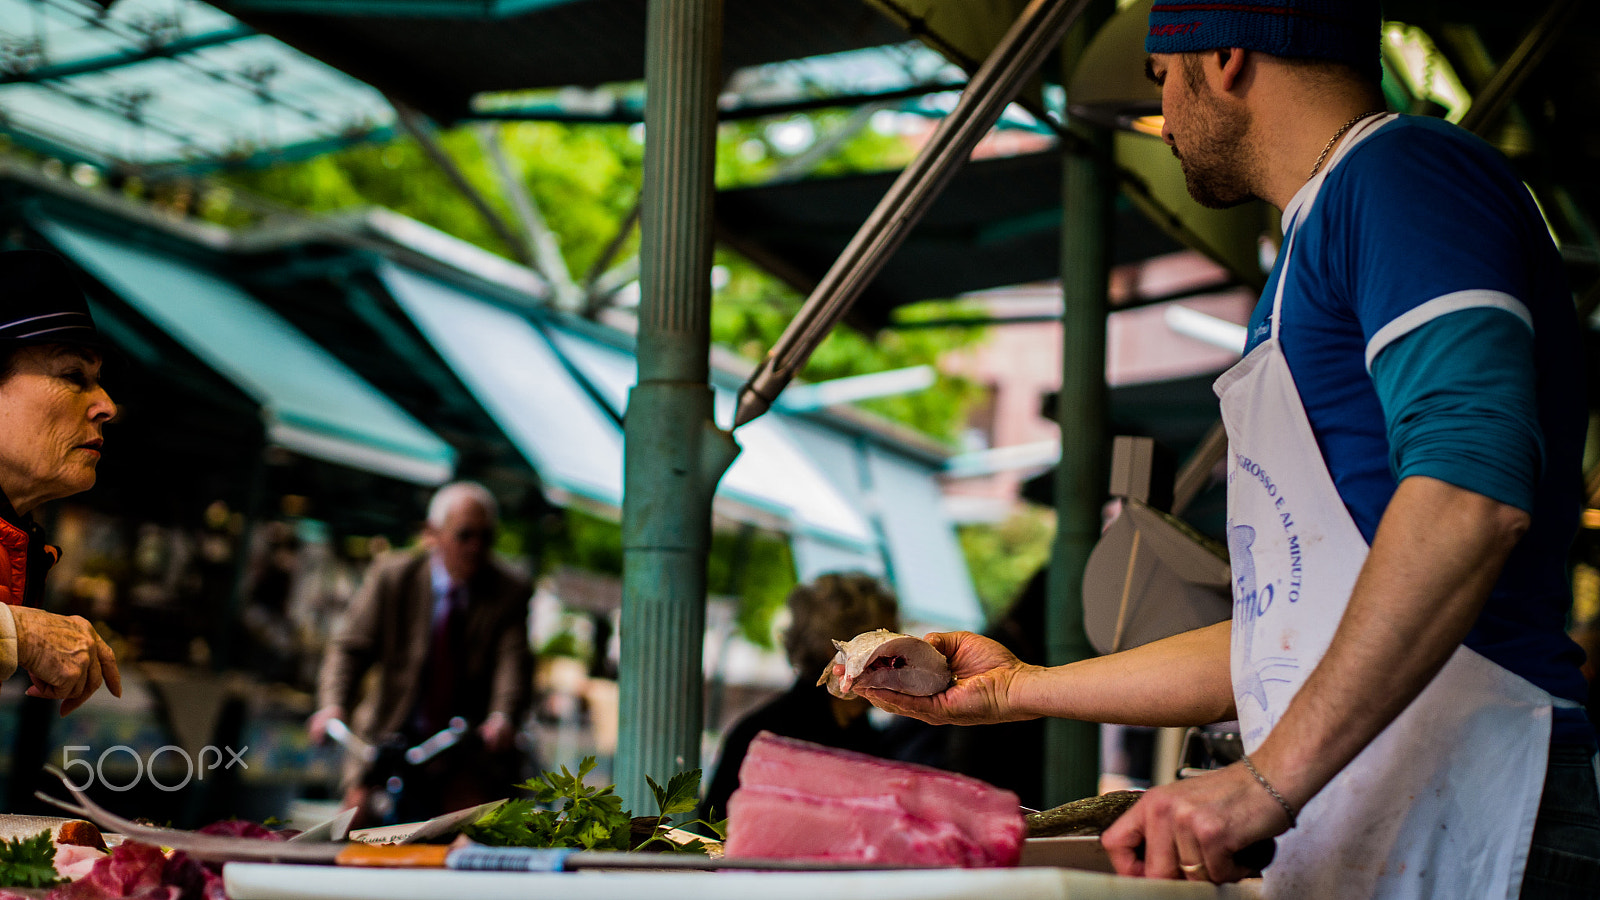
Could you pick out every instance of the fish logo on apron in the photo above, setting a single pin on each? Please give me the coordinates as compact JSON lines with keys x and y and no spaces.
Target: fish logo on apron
{"x":1249,"y":605}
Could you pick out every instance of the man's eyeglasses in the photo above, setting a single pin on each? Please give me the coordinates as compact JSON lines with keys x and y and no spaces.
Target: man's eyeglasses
{"x":467,"y":534}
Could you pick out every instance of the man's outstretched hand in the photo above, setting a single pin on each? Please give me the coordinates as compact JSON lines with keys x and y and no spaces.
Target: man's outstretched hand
{"x":985,"y":672}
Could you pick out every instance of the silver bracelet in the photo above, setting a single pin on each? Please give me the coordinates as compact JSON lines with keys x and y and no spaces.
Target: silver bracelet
{"x":1287,"y":809}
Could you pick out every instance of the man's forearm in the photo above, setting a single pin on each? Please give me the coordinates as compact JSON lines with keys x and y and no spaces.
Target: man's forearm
{"x":1437,"y":554}
{"x":1181,"y":680}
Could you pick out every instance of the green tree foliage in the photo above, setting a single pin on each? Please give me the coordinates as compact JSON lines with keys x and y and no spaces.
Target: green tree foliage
{"x":753,"y":308}
{"x":581,"y":540}
{"x":1004,"y":556}
{"x":754,"y":565}
{"x":758,"y":568}
{"x":585,"y":179}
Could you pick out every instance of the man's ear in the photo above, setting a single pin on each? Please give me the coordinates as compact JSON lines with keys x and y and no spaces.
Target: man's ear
{"x":1232,"y":61}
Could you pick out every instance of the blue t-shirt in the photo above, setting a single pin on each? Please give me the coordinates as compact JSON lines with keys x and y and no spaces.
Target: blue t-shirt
{"x":1430,"y":330}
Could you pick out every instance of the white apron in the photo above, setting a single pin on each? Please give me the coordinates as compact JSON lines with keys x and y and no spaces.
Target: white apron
{"x":1442,"y":803}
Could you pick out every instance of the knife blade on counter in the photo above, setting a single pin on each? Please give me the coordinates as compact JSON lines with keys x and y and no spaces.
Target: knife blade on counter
{"x":214,"y":847}
{"x":222,"y":848}
{"x":563,"y":859}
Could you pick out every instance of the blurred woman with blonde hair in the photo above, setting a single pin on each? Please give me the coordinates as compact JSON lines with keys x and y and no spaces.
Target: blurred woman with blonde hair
{"x":838,"y":605}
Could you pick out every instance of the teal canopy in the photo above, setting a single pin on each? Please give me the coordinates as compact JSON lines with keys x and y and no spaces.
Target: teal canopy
{"x":311,"y":402}
{"x":559,"y":387}
{"x":512,"y":369}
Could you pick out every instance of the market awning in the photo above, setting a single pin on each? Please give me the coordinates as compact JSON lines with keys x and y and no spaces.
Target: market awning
{"x":560,"y":396}
{"x":772,"y":482}
{"x":813,"y":557}
{"x":559,"y":389}
{"x":925,"y":561}
{"x":930,"y":570}
{"x":848,"y":503}
{"x":570,"y":440}
{"x":310,"y":402}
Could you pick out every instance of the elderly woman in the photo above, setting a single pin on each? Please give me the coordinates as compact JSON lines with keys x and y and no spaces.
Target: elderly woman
{"x":52,"y":411}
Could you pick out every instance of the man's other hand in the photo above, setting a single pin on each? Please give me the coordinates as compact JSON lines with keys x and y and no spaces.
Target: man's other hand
{"x":1191,"y":829}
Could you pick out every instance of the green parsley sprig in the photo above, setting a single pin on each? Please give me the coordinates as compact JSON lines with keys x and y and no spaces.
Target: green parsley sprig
{"x":563,"y":811}
{"x":29,"y":862}
{"x":587,"y":817}
{"x":681,"y":795}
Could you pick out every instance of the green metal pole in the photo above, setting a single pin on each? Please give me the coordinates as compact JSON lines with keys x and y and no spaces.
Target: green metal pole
{"x":1072,"y":749}
{"x":674,"y":454}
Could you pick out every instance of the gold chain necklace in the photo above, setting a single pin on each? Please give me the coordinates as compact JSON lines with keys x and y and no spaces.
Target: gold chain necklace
{"x":1335,"y":139}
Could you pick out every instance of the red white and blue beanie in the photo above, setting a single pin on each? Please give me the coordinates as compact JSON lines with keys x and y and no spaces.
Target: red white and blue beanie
{"x":1344,"y":31}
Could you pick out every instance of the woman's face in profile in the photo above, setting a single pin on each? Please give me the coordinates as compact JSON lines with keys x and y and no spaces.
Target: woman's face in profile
{"x":52,"y":409}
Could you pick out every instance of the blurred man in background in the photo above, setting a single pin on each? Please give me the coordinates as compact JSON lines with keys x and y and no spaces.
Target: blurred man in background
{"x":445,"y":626}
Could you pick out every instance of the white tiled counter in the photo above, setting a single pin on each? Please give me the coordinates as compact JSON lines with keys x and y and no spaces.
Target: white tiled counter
{"x":253,"y":881}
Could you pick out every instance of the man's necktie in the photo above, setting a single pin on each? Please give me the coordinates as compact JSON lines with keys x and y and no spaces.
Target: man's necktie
{"x":443,"y":644}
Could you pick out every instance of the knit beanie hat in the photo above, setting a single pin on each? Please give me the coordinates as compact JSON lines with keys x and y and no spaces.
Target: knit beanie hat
{"x":1344,"y":31}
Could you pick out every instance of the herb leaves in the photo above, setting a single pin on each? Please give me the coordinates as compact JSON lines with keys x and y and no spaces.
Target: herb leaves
{"x":590,"y":818}
{"x":28,"y":862}
{"x":562,"y":811}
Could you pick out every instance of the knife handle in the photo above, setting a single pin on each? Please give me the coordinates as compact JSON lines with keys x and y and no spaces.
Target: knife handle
{"x":1257,"y":856}
{"x":1254,"y":858}
{"x":394,"y":856}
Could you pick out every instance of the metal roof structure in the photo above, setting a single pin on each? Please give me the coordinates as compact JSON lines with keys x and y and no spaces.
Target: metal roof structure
{"x":981,"y":228}
{"x":175,"y":87}
{"x":437,"y":56}
{"x":342,"y":342}
{"x":181,"y":86}
{"x":1532,"y":75}
{"x":169,"y":83}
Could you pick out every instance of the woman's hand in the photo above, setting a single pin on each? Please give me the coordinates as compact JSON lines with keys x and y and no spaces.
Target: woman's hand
{"x":64,"y":656}
{"x":985,"y":672}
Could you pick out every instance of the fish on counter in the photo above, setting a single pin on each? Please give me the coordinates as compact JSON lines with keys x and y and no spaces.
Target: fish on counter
{"x":889,"y":661}
{"x":803,"y":801}
{"x":1091,"y":815}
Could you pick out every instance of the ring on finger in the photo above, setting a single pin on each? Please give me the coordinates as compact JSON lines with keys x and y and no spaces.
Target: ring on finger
{"x":1192,"y":868}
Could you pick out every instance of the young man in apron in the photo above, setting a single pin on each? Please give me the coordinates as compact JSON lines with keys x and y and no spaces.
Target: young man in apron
{"x":1405,"y":437}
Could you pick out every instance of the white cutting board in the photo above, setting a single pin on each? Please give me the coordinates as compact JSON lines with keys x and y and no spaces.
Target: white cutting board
{"x":265,"y":881}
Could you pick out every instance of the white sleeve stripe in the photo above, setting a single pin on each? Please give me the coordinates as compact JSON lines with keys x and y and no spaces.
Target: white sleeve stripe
{"x":1418,"y":316}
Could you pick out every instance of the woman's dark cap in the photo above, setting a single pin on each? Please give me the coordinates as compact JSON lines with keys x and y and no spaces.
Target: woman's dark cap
{"x":41,"y":302}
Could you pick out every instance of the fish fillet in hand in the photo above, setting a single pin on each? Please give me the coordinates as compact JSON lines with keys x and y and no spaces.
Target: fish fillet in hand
{"x":889,"y":661}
